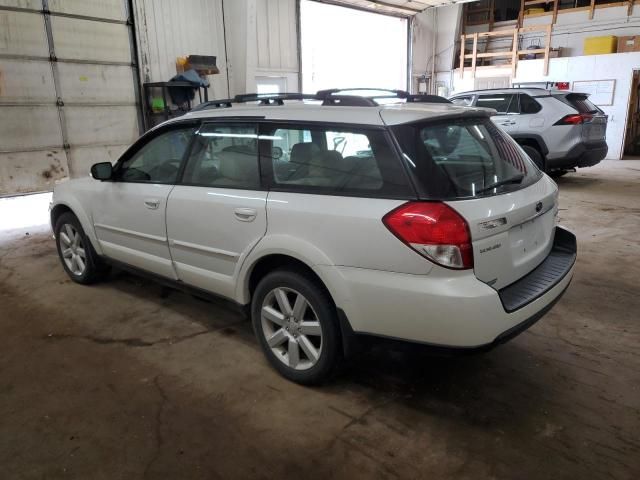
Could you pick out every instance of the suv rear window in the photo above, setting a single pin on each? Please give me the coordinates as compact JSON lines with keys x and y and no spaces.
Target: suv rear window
{"x":464,"y":158}
{"x":580,"y":102}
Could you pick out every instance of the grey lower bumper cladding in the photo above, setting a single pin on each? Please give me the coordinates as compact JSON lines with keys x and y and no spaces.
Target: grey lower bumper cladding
{"x":545,"y":276}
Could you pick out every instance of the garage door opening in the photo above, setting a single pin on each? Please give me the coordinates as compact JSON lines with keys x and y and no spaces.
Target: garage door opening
{"x":343,"y":47}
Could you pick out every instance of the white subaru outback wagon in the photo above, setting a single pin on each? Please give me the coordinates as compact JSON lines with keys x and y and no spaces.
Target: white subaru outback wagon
{"x":330,"y":217}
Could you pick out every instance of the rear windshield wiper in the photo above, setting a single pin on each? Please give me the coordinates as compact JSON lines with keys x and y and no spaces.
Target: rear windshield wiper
{"x":506,"y":181}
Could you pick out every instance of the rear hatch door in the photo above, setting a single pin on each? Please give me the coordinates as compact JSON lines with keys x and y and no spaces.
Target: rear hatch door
{"x":477,"y":169}
{"x":594,"y":121}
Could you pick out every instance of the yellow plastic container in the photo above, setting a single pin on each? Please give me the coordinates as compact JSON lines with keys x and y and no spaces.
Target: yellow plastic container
{"x":600,"y":45}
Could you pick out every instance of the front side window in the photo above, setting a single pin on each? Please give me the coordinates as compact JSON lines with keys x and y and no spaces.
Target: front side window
{"x":224,"y":156}
{"x":158,"y":161}
{"x":332,"y":160}
{"x":464,"y":158}
{"x":498,"y":101}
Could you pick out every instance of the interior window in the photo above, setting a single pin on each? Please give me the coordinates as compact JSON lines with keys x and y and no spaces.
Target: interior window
{"x":224,"y":156}
{"x":333,"y":160}
{"x":159,"y":160}
{"x":499,"y":102}
{"x":528,"y":104}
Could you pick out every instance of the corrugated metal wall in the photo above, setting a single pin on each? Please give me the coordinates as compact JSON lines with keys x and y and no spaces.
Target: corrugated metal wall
{"x":67,"y":94}
{"x":276,"y":36}
{"x":167,"y":29}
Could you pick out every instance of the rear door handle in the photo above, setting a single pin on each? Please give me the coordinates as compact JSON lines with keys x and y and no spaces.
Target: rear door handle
{"x":245,"y":214}
{"x":507,"y":123}
{"x":152,"y":203}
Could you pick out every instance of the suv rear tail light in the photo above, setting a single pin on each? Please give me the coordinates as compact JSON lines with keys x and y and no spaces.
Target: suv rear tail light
{"x":574,"y":119}
{"x":434,"y":230}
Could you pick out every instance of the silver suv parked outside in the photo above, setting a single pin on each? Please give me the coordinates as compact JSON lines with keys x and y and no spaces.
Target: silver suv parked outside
{"x":559,"y":130}
{"x":330,"y":217}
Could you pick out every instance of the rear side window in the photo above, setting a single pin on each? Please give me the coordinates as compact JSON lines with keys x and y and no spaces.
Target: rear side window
{"x":224,"y":156}
{"x":332,"y":160}
{"x":528,"y":104}
{"x":457,"y":159}
{"x":500,"y":102}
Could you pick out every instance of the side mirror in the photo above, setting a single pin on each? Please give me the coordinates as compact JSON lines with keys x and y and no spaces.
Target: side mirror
{"x":102,"y":171}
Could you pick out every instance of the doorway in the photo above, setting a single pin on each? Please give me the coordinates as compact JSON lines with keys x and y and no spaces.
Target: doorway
{"x":631,"y":145}
{"x":342,"y":47}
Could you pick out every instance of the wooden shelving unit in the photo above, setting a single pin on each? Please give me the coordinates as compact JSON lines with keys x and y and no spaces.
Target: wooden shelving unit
{"x":514,"y":53}
{"x":524,"y":4}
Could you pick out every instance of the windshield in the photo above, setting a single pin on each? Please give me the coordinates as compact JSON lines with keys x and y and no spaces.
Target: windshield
{"x":464,"y":158}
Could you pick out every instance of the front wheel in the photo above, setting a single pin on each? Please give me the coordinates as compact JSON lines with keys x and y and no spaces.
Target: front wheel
{"x":296,"y":324}
{"x":79,"y":259}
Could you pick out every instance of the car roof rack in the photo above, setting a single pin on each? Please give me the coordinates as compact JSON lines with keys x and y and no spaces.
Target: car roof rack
{"x":329,"y":97}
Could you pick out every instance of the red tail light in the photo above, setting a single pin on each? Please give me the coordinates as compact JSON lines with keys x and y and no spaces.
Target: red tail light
{"x":574,"y":119}
{"x":434,"y":230}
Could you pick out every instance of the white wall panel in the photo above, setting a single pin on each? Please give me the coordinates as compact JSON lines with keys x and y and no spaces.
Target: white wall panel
{"x":22,"y":34}
{"x":32,"y":4}
{"x":90,"y":40}
{"x":26,"y":81}
{"x":22,"y":172}
{"x":96,"y":83}
{"x":94,"y":125}
{"x":107,"y":9}
{"x":276,"y":35}
{"x":29,"y":127}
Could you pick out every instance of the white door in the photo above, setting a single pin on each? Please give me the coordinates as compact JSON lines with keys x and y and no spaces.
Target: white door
{"x":129,"y":211}
{"x":506,"y":104}
{"x":217,"y":213}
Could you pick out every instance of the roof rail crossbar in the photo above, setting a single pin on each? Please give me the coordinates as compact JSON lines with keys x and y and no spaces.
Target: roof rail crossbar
{"x":427,"y":99}
{"x":388,"y":93}
{"x":222,"y":103}
{"x":348,"y":101}
{"x":330,"y":97}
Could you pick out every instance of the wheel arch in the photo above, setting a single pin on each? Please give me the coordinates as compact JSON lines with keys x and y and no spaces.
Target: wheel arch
{"x":64,"y":206}
{"x":532,"y":140}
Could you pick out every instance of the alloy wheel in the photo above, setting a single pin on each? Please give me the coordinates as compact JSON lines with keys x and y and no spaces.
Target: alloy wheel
{"x":72,"y":249}
{"x":291,"y":328}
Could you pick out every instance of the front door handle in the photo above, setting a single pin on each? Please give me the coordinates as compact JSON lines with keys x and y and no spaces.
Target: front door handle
{"x":152,"y":203}
{"x":245,"y":214}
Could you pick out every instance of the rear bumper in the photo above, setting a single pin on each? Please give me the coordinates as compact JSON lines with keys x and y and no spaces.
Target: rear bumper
{"x":580,"y":155}
{"x":449,"y":309}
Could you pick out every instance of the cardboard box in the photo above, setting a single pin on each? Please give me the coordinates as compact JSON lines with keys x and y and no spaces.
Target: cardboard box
{"x":600,"y":45}
{"x":629,"y":44}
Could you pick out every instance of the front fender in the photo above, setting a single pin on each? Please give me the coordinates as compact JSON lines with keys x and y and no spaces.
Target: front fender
{"x":77,"y":200}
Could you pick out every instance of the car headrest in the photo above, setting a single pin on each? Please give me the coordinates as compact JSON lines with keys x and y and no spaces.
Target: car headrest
{"x":302,"y":153}
{"x":238,"y":166}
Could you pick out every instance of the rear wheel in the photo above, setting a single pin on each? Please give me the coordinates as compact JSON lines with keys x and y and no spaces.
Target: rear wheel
{"x":79,"y":259}
{"x":296,"y":324}
{"x":535,"y":156}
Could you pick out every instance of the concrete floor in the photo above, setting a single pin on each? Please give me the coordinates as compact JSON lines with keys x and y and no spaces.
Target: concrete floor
{"x":119,"y":381}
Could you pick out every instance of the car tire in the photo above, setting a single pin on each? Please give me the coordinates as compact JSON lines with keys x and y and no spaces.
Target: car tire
{"x":535,"y":156}
{"x":78,"y":258}
{"x":300,"y":340}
